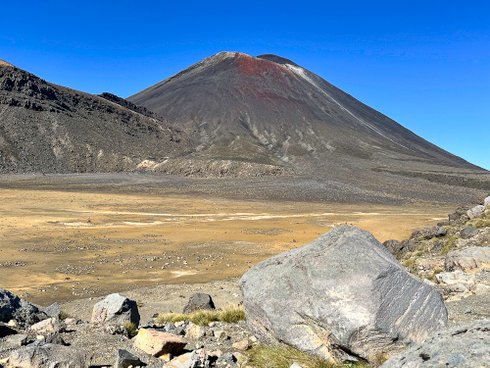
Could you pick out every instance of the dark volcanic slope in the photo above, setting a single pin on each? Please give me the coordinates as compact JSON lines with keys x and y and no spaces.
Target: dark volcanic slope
{"x":48,"y":128}
{"x":269,"y":110}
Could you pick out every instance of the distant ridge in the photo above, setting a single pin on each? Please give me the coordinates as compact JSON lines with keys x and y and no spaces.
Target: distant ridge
{"x":51,"y":129}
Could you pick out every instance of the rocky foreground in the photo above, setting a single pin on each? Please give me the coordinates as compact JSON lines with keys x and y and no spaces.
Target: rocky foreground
{"x":344,"y":300}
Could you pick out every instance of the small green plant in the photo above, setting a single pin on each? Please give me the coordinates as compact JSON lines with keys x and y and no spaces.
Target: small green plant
{"x":63,"y":315}
{"x":410,"y":263}
{"x":131,"y":328}
{"x":263,"y":356}
{"x":450,"y":244}
{"x":481,"y":223}
{"x":436,"y":271}
{"x":230,"y":314}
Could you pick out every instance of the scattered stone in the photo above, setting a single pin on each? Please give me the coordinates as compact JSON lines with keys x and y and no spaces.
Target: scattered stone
{"x":241,"y":345}
{"x":53,"y":310}
{"x":115,"y":310}
{"x":16,"y":341}
{"x":220,"y":334}
{"x":199,"y":301}
{"x":194,"y":331}
{"x":456,"y":282}
{"x":48,"y":326}
{"x":193,"y":359}
{"x":295,"y":365}
{"x":71,"y":321}
{"x":486,"y":203}
{"x":468,"y":232}
{"x":227,"y":359}
{"x":459,"y":215}
{"x":125,"y":359}
{"x":182,"y":361}
{"x":465,"y":346}
{"x":429,"y":233}
{"x":342,"y":290}
{"x":475,"y":211}
{"x":159,"y":343}
{"x":394,"y":246}
{"x":468,"y":259}
{"x":47,"y":356}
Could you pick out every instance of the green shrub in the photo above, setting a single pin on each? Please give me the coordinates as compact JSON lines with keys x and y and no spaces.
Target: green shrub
{"x":450,"y":244}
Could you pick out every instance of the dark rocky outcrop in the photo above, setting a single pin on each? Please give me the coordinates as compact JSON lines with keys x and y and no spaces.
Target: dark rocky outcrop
{"x":343,"y":295}
{"x":199,"y":301}
{"x":47,"y":128}
{"x":14,"y":308}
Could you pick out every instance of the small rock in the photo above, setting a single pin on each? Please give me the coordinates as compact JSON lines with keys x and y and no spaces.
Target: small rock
{"x":182,"y":361}
{"x":216,"y":353}
{"x":241,"y":345}
{"x":459,"y":215}
{"x":115,"y":309}
{"x":71,"y":321}
{"x":220,"y":334}
{"x":47,"y":356}
{"x":475,"y":211}
{"x":468,"y":259}
{"x":199,"y":301}
{"x":468,"y":232}
{"x":48,"y":326}
{"x":125,"y":359}
{"x":52,"y":310}
{"x":486,"y":203}
{"x":159,"y":343}
{"x":194,"y":332}
{"x":227,"y":358}
{"x":295,"y":365}
{"x":16,"y":341}
{"x":456,"y":282}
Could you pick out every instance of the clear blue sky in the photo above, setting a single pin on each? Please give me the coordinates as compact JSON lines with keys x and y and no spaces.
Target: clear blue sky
{"x":425,"y":64}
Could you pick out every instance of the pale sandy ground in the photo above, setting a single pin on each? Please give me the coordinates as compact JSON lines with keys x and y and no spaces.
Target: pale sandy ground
{"x":61,"y":246}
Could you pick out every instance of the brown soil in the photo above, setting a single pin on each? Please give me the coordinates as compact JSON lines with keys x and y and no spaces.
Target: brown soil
{"x":60,"y":246}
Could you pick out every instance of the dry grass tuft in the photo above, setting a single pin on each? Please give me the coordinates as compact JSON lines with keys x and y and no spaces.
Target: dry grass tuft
{"x":230,"y":314}
{"x":262,"y":356}
{"x":131,"y":328}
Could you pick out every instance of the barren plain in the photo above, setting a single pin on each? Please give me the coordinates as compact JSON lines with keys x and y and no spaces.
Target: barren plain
{"x":61,"y":242}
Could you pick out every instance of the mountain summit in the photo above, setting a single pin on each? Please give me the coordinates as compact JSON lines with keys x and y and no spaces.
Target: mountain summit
{"x":268,"y":109}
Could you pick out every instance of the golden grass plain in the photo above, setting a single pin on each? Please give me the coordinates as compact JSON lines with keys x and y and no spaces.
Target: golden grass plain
{"x":59,"y":246}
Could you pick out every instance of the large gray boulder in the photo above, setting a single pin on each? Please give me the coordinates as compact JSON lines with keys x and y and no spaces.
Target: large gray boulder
{"x":344,"y":293}
{"x":47,"y":356}
{"x":465,"y":346}
{"x":115,"y":310}
{"x":14,"y":308}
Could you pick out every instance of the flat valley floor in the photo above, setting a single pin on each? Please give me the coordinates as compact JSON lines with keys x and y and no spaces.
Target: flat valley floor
{"x":60,"y":242}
